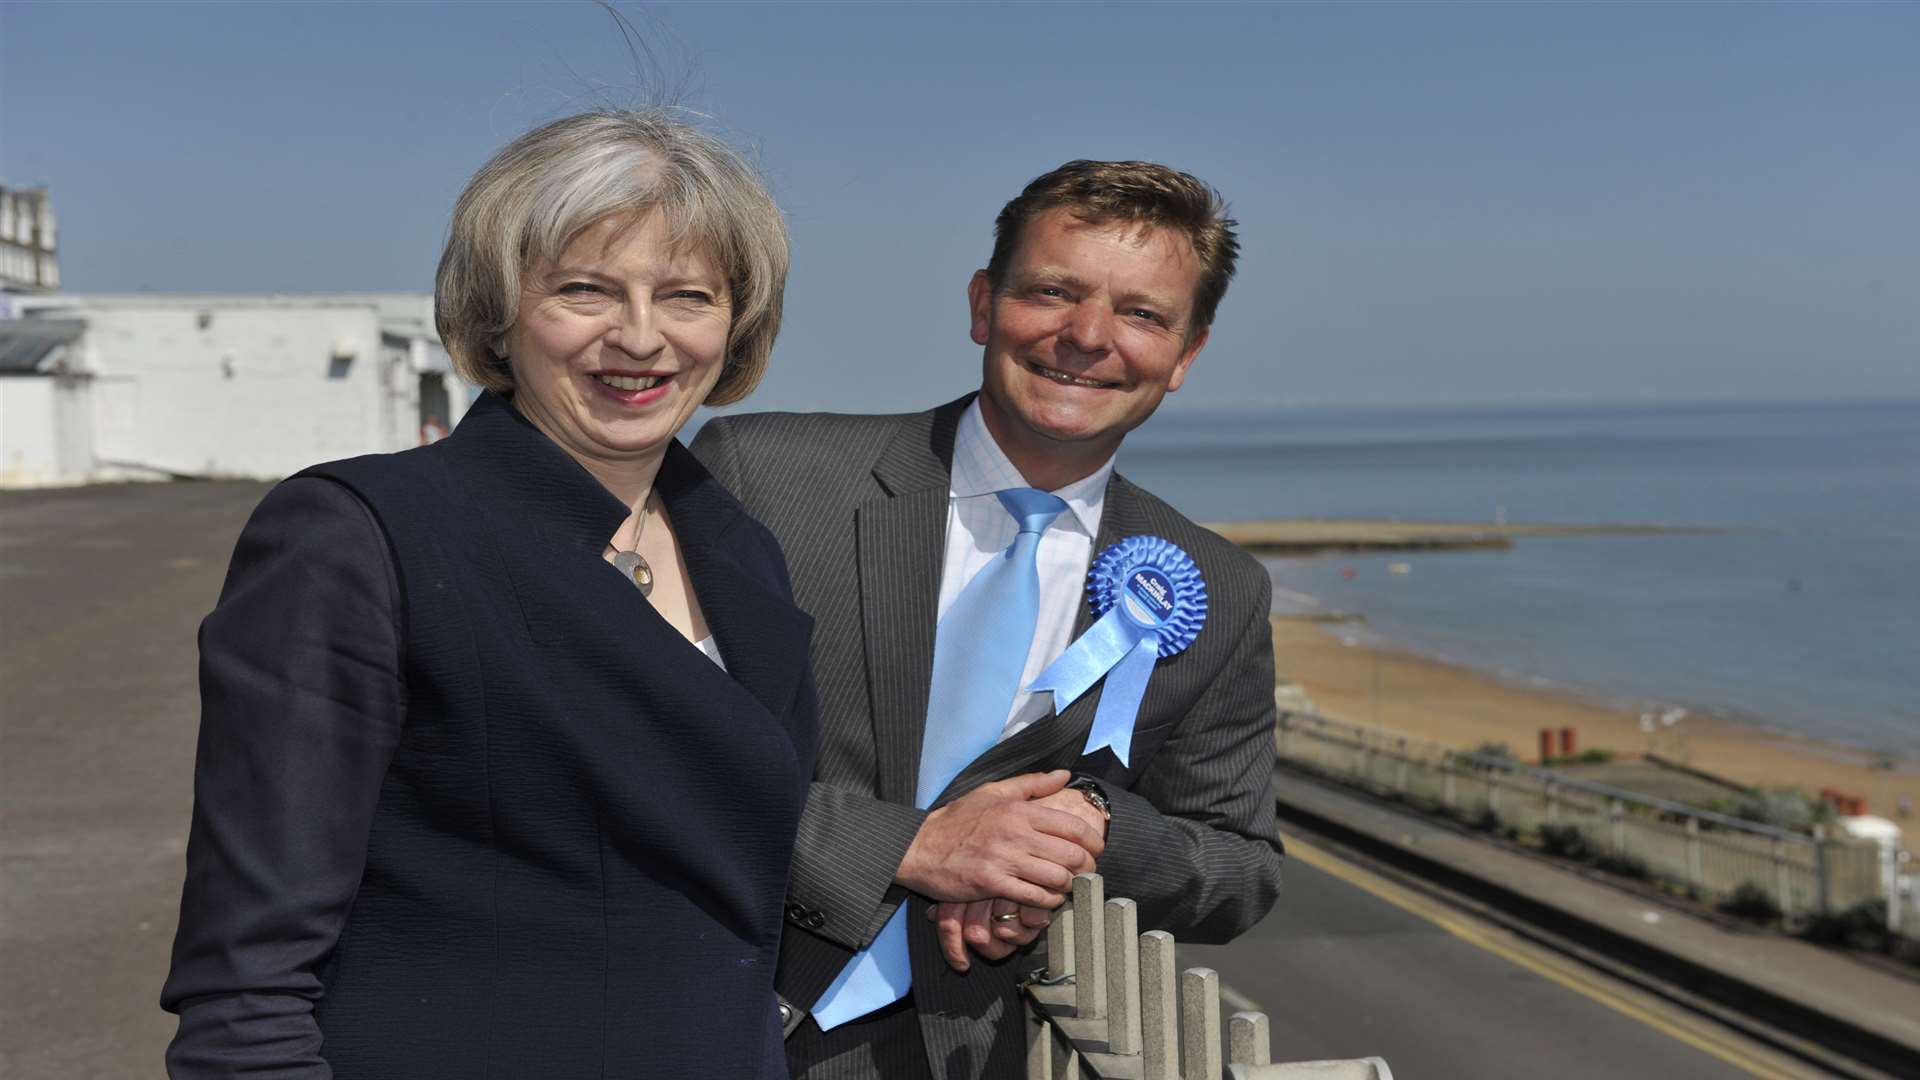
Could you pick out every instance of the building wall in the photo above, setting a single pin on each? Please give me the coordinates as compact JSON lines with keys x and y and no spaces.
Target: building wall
{"x":241,"y":391}
{"x":45,"y":431}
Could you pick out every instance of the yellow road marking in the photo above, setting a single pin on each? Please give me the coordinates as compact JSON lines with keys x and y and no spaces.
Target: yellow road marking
{"x":1571,"y":978}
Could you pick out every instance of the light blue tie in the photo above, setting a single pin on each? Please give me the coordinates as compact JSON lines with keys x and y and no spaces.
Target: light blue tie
{"x":979,"y":653}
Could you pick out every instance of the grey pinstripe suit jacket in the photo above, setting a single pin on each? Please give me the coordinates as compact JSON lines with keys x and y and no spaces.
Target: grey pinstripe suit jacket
{"x":859,"y":503}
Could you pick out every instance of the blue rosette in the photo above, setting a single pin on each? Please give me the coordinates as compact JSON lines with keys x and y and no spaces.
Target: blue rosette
{"x":1150,"y":601}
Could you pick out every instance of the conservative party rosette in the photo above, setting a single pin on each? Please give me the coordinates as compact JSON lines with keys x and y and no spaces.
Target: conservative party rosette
{"x":1150,"y":601}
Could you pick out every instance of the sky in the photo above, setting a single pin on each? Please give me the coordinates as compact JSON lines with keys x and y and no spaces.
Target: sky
{"x":1439,"y":203}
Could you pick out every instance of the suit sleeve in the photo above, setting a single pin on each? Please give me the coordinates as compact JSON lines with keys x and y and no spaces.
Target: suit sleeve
{"x":301,"y":709}
{"x":1194,"y":843}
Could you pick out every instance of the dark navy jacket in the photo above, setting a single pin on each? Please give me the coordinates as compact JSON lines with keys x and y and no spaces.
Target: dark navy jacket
{"x":466,"y":806}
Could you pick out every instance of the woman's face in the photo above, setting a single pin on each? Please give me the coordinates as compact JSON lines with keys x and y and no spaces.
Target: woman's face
{"x":618,"y":341}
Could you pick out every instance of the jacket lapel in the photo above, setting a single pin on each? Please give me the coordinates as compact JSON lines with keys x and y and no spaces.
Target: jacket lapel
{"x":762,"y":636}
{"x":900,"y":536}
{"x":1120,"y":517}
{"x":569,"y":515}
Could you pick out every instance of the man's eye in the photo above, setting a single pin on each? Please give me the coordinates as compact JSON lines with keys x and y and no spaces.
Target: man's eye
{"x":1143,"y":313}
{"x":1049,"y":290}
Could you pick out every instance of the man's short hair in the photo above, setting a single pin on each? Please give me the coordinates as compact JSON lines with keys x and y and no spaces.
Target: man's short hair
{"x":548,"y":186}
{"x":1139,"y":192}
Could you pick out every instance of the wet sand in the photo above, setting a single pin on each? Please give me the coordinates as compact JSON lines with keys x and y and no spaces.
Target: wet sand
{"x":1461,"y":707}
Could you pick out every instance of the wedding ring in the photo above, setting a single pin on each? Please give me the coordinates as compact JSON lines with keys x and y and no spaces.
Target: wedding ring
{"x":1006,"y":916}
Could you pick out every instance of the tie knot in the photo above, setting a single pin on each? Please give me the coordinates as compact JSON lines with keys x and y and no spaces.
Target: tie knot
{"x":1032,"y":508}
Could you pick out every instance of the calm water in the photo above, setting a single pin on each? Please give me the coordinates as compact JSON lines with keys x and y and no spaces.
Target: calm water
{"x":1807,"y":618}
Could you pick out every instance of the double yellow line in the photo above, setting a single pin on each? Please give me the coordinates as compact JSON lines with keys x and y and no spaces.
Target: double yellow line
{"x":1564,"y":972}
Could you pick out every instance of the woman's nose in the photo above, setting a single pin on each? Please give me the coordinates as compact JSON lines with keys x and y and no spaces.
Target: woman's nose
{"x":637,"y":333}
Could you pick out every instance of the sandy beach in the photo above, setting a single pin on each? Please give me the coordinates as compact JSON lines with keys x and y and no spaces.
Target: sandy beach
{"x":1413,"y":695}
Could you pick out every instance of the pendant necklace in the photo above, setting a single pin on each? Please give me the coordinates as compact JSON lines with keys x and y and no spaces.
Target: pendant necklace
{"x":631,"y":563}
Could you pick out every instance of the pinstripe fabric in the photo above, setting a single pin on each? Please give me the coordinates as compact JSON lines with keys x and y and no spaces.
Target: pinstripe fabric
{"x":886,"y":1044}
{"x":859,"y":503}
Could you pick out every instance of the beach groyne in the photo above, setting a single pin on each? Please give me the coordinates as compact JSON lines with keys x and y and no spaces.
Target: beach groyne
{"x":1303,"y":536}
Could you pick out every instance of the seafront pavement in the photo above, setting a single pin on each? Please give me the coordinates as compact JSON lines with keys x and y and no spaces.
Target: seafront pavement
{"x":101,"y":590}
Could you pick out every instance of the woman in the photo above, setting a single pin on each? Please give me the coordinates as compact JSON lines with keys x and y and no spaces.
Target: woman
{"x":504,"y":739}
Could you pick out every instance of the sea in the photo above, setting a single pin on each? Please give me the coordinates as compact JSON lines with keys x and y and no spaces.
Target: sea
{"x":1799,"y":611}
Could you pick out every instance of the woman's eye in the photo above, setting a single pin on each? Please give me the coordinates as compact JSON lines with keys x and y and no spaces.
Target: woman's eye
{"x":695,"y":295}
{"x":576,"y":288}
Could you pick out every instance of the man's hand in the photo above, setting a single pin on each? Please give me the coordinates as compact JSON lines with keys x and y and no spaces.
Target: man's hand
{"x":981,"y":926}
{"x":1001,"y":840}
{"x":1075,"y":803}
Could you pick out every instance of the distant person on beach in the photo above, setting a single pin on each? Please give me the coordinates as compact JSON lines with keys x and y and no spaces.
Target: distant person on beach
{"x":504,"y":739}
{"x":994,"y":719}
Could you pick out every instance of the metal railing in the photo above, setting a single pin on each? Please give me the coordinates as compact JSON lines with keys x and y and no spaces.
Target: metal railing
{"x":1110,"y":1006}
{"x":1710,"y":855}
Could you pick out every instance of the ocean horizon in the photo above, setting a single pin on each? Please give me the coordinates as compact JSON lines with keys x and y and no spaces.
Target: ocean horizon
{"x":1798,"y":612}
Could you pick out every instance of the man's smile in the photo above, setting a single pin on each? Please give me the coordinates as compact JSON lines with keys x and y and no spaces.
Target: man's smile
{"x":1065,"y":379}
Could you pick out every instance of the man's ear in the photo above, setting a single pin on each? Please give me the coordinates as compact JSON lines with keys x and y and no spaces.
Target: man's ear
{"x":980,"y":305}
{"x":1187,"y":357}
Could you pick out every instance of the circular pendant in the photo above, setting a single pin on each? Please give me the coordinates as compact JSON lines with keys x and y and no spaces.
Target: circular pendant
{"x":631,"y":564}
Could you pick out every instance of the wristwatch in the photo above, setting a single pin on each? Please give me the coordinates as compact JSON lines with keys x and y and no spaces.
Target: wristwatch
{"x":1095,"y":794}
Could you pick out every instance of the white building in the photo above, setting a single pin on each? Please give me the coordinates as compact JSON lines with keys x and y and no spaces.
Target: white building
{"x":153,"y":386}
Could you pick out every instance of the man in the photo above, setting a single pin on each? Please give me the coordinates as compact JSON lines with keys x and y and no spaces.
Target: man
{"x":925,"y":863}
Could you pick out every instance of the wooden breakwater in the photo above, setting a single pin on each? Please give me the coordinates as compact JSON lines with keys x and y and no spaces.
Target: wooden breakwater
{"x":1303,"y":536}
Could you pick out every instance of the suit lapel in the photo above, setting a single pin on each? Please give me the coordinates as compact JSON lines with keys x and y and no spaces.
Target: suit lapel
{"x":901,"y":541}
{"x":1120,"y":517}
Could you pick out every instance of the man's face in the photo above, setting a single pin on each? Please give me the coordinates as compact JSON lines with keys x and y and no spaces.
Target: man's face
{"x":1091,"y":327}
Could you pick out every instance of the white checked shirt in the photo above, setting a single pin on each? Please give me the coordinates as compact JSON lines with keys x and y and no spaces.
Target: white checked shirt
{"x":979,"y":528}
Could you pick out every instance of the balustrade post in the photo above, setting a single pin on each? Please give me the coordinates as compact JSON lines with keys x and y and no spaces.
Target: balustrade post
{"x":1040,"y":1050}
{"x":1823,"y":879}
{"x":1200,"y":1025}
{"x":1159,"y":1008}
{"x":1060,"y":942}
{"x":1448,"y":796}
{"x":1089,"y":947}
{"x":1553,"y":802}
{"x":1694,"y":875}
{"x":1617,"y":817}
{"x":1123,"y":977}
{"x":1249,"y":1041}
{"x":1782,"y":880}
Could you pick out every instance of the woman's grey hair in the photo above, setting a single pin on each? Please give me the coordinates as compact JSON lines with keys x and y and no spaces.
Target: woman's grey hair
{"x":535,"y":196}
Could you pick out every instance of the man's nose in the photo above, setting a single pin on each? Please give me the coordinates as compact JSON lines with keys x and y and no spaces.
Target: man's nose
{"x":637,"y":332}
{"x":1089,"y":327}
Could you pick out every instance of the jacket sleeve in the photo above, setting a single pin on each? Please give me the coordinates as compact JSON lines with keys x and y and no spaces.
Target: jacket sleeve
{"x":302,"y":705}
{"x":1194,"y":842}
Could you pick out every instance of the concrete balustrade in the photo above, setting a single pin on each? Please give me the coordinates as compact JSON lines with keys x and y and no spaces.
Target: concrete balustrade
{"x":1112,"y":1006}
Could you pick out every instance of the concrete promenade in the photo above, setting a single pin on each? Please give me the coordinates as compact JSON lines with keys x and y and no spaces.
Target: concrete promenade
{"x":101,"y":590}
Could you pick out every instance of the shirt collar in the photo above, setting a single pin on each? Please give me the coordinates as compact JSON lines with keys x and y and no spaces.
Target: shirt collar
{"x":980,"y":467}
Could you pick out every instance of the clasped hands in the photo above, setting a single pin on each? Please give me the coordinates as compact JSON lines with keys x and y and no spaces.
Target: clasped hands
{"x":1009,"y":847}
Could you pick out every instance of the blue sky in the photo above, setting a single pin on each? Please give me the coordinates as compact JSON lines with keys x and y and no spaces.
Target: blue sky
{"x":1439,"y":202}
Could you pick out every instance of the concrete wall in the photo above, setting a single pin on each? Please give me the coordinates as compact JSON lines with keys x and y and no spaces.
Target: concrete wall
{"x":241,"y":390}
{"x":46,"y":431}
{"x":29,"y":450}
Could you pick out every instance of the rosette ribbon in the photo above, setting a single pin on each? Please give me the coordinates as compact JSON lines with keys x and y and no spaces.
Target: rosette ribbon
{"x":1149,"y":601}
